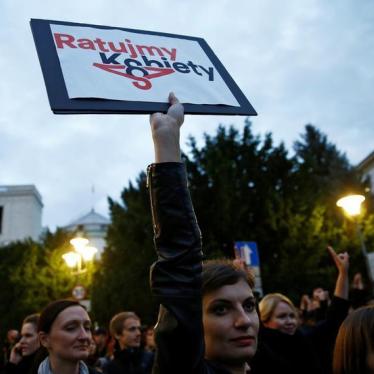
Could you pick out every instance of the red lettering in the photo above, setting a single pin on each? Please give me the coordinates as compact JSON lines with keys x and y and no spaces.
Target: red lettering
{"x":172,"y":53}
{"x":66,"y":39}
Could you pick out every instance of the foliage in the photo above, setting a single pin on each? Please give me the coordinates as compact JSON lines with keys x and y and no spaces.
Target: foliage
{"x":32,"y":274}
{"x":244,"y":188}
{"x":122,"y":281}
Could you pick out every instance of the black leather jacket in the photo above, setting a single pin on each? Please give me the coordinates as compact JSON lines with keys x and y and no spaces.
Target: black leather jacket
{"x":176,"y":276}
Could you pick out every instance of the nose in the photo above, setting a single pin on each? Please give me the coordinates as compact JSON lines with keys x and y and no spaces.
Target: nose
{"x":243,"y":319}
{"x":84,"y":334}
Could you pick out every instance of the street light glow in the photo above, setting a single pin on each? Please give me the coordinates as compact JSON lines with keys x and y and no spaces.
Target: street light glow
{"x":71,"y":259}
{"x":79,"y":243}
{"x":88,"y":253}
{"x":351,"y":204}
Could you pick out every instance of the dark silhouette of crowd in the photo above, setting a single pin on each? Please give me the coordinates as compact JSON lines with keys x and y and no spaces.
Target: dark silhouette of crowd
{"x":209,"y":319}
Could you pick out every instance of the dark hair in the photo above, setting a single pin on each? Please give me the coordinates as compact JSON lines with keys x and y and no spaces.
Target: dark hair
{"x":33,"y":319}
{"x":223,"y":272}
{"x":354,"y":342}
{"x":51,"y":311}
{"x":100,"y":331}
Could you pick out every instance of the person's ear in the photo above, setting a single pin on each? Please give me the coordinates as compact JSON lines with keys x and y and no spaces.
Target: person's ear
{"x":44,"y":339}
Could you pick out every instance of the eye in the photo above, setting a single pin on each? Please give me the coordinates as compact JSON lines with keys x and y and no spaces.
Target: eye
{"x":249,"y":306}
{"x":220,"y":310}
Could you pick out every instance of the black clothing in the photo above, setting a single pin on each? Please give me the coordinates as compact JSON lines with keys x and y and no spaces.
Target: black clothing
{"x":176,"y":276}
{"x":309,"y":350}
{"x":130,"y":361}
{"x":25,"y":366}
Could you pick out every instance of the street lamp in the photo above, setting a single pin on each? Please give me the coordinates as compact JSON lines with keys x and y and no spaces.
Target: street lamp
{"x":351,"y":205}
{"x":82,"y":254}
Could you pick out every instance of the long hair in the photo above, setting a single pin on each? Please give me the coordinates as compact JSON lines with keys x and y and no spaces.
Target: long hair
{"x":354,"y":343}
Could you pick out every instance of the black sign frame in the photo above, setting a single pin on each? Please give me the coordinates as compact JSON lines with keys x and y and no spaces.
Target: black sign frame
{"x":61,"y":103}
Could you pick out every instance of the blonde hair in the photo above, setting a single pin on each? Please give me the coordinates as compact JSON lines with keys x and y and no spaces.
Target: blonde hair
{"x":354,"y":342}
{"x":268,"y":304}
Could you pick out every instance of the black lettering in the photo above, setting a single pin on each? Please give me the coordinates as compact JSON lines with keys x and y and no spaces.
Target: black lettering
{"x":166,"y":63}
{"x":180,"y":67}
{"x":193,"y":67}
{"x":150,"y":62}
{"x":209,"y":72}
{"x":111,"y":59}
{"x":129,"y":62}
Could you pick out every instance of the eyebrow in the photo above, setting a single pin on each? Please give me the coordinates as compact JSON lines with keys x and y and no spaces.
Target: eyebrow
{"x":250,"y":298}
{"x":74,"y":321}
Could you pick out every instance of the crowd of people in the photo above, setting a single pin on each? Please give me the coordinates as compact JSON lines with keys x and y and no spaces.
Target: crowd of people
{"x":209,"y":320}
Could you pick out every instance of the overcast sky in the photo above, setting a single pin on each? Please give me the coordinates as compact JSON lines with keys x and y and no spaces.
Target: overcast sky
{"x":297,"y":61}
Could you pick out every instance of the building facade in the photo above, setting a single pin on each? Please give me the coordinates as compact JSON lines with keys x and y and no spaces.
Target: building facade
{"x":366,"y":168}
{"x":20,"y":213}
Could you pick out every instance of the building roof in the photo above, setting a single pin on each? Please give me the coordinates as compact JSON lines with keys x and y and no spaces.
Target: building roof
{"x":366,"y":162}
{"x":21,"y":190}
{"x":91,"y":218}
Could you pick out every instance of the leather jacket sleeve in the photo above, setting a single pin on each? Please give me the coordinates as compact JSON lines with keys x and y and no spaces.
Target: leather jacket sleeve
{"x":176,"y":275}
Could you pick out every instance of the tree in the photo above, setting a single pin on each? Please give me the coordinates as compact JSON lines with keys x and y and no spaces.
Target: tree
{"x":244,"y":188}
{"x":122,"y":280}
{"x":32,"y":274}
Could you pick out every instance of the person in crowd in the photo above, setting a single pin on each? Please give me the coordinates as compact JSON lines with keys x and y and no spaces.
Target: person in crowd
{"x":129,"y":357}
{"x":314,"y":309}
{"x":359,"y":294}
{"x":309,"y":350}
{"x":23,"y":353}
{"x":99,"y":355}
{"x":11,"y":340}
{"x":149,"y":339}
{"x":208,"y":321}
{"x":100,"y":336}
{"x":354,"y":347}
{"x":65,"y":332}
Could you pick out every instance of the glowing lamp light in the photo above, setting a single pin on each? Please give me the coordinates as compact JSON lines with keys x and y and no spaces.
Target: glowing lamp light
{"x":88,"y":253}
{"x":351,"y":204}
{"x":71,"y":259}
{"x":79,"y":244}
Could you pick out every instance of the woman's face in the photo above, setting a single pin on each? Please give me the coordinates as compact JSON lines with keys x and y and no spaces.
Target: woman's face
{"x":283,"y":319}
{"x":70,"y":335}
{"x":29,"y":342}
{"x":230,"y":324}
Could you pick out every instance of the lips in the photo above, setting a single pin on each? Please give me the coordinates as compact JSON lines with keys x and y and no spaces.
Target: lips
{"x":244,"y":341}
{"x":82,"y":347}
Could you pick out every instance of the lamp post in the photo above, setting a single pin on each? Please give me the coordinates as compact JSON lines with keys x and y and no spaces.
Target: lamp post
{"x":78,"y":260}
{"x":351,"y":206}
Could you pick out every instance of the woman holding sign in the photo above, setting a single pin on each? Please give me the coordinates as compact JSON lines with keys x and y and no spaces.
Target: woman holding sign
{"x":212,"y":302}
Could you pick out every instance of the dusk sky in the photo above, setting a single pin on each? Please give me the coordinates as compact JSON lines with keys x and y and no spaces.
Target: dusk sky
{"x":297,"y":61}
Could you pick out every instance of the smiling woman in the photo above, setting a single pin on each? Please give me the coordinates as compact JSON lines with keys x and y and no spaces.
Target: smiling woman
{"x":65,"y":331}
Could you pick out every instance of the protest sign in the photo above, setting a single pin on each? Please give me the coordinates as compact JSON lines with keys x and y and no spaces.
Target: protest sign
{"x":101,"y":69}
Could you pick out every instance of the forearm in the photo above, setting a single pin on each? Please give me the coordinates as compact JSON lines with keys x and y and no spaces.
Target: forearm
{"x":176,"y":276}
{"x":176,"y":233}
{"x":342,"y":286}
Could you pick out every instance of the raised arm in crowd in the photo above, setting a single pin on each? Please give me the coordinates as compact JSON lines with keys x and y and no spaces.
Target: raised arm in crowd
{"x":207,"y":321}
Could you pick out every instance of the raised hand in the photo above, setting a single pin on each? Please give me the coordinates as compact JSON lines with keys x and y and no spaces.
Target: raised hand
{"x":341,"y":260}
{"x":166,"y":131}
